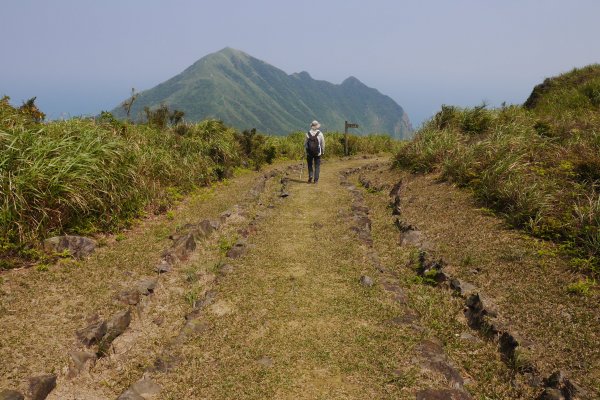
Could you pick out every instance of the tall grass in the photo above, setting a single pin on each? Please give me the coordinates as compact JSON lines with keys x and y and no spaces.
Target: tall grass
{"x":86,"y":175}
{"x":542,"y":174}
{"x":83,"y":175}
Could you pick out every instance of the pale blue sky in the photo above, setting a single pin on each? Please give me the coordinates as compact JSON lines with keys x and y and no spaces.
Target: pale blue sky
{"x":83,"y":56}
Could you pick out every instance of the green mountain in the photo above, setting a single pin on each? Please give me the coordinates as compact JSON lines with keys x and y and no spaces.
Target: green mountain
{"x":245,"y":92}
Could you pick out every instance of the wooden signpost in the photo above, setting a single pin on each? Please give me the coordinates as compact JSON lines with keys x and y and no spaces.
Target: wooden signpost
{"x":346,"y":126}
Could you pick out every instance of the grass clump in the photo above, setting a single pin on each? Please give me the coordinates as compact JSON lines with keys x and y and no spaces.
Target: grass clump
{"x":537,"y":165}
{"x":582,"y":287}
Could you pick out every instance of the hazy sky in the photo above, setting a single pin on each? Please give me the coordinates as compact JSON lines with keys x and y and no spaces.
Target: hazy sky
{"x":83,"y":56}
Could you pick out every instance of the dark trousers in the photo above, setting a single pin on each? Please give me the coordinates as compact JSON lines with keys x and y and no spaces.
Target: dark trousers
{"x":317,"y":161}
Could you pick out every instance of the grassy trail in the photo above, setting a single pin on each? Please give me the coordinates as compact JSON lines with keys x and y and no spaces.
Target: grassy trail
{"x":289,"y":319}
{"x":293,"y":321}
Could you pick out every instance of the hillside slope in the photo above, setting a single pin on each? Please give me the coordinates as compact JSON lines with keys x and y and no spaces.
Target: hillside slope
{"x":538,"y":165}
{"x":248,"y":93}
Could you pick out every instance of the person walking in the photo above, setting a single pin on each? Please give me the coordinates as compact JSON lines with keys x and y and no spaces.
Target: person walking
{"x":314,"y":144}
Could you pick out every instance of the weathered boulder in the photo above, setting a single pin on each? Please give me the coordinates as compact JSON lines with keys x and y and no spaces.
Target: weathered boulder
{"x":558,"y":384}
{"x":77,"y":246}
{"x":80,"y":360}
{"x":141,"y":390}
{"x":40,"y":386}
{"x":208,"y":226}
{"x":434,"y":359}
{"x":146,"y":286}
{"x":238,"y":249}
{"x":92,"y":333}
{"x":118,"y":323}
{"x":164,"y":266}
{"x":8,"y":394}
{"x":461,"y":287}
{"x":411,"y":238}
{"x":552,"y":394}
{"x":183,"y":247}
{"x":366,"y":281}
{"x":129,"y":296}
{"x":403,"y":226}
{"x":130,"y":395}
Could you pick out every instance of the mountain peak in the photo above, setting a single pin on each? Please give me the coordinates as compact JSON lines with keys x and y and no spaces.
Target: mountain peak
{"x":352,"y":81}
{"x":231,"y":52}
{"x":245,"y":92}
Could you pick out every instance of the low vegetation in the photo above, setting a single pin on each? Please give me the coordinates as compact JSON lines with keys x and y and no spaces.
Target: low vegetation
{"x":86,"y":175}
{"x":538,"y":165}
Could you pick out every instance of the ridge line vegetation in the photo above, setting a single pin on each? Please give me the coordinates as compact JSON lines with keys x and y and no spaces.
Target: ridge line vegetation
{"x":95,"y":175}
{"x":537,"y":165}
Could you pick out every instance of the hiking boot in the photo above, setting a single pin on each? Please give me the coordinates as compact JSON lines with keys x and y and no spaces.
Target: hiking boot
{"x":309,"y":179}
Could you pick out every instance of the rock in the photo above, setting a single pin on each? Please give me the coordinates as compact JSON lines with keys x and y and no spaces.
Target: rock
{"x":41,"y":386}
{"x":435,"y":359}
{"x":442,"y":394}
{"x":183,"y":247}
{"x":552,"y":394}
{"x":558,"y":380}
{"x":146,"y":388}
{"x":468,"y":337}
{"x":227,"y":214}
{"x":130,"y":297}
{"x":408,"y":318}
{"x":402,"y":226}
{"x":366,"y":281}
{"x":238,"y":249}
{"x":79,"y":362}
{"x":462,"y":287}
{"x":130,"y":395}
{"x":146,"y":286}
{"x":92,"y":333}
{"x":8,"y":394}
{"x":411,"y":238}
{"x":206,"y":227}
{"x":78,"y":246}
{"x":119,"y":323}
{"x":395,"y":191}
{"x":163,"y":266}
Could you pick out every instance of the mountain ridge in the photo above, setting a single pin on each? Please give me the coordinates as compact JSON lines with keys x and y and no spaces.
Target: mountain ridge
{"x":246,"y":92}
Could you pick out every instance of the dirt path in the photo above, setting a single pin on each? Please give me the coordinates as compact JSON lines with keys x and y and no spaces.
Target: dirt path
{"x":293,"y":321}
{"x":301,"y":292}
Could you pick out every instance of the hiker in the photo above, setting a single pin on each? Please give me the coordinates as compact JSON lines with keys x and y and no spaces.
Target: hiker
{"x":314,"y":144}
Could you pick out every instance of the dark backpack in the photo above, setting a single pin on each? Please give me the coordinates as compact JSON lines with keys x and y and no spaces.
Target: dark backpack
{"x":313,"y":145}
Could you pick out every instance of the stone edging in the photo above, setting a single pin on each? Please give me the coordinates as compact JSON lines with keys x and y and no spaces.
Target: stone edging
{"x":481,"y":313}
